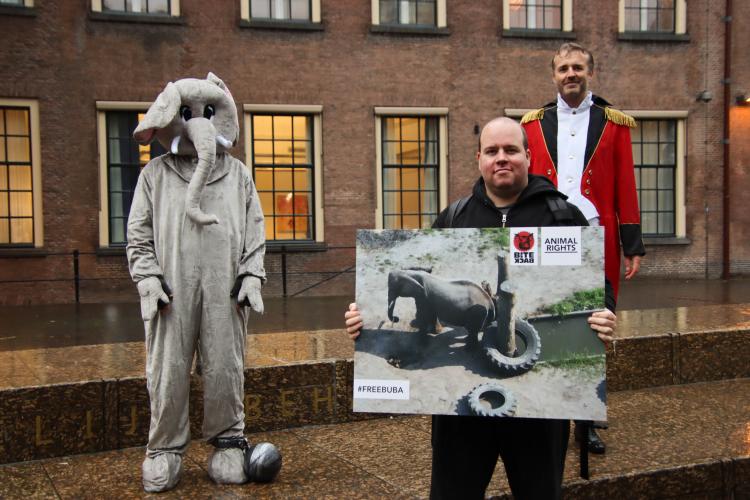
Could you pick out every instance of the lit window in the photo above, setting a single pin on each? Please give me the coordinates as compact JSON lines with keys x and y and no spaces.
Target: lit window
{"x":410,"y":149}
{"x":125,"y":159}
{"x":16,"y":177}
{"x":412,"y":166}
{"x":18,"y":3}
{"x":285,"y":158}
{"x":536,"y":14}
{"x":656,"y":156}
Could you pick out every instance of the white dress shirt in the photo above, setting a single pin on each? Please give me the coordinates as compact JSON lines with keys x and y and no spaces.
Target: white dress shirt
{"x":572,"y":129}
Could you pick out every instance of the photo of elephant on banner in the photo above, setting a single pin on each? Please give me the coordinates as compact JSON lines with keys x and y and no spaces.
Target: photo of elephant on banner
{"x":476,"y":335}
{"x":486,"y":317}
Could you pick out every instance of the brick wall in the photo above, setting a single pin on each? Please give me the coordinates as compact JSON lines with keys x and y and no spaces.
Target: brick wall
{"x":68,"y":61}
{"x":739,"y":145}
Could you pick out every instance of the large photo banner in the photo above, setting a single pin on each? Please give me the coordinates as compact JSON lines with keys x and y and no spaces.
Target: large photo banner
{"x":481,"y":322}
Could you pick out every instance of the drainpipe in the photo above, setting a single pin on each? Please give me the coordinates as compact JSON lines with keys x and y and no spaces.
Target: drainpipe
{"x":727,"y":103}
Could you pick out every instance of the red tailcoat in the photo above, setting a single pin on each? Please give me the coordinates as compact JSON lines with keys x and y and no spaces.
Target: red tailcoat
{"x":608,"y":179}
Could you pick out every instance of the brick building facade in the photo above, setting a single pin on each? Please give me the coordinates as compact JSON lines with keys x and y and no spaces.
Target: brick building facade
{"x":357,"y":78}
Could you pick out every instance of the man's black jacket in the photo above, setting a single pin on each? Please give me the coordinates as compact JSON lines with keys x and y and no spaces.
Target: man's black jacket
{"x":530,"y":210}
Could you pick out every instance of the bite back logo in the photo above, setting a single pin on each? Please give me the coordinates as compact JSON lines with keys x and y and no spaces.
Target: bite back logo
{"x":524,"y":247}
{"x":523,"y":241}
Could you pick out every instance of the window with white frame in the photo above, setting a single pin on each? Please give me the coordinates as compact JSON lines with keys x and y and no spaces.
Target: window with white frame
{"x":542,"y":15}
{"x":121,"y":160}
{"x":409,"y":13}
{"x":20,"y":174}
{"x":284,"y":154}
{"x":17,"y":3}
{"x":658,"y":156}
{"x":137,"y":7}
{"x":281,"y":10}
{"x":652,"y":16}
{"x":411,"y":157}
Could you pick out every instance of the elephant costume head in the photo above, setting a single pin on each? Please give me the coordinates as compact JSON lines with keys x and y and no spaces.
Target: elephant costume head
{"x":193,"y":117}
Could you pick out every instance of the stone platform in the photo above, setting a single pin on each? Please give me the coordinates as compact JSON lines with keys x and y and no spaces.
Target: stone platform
{"x":682,"y":441}
{"x":83,"y":399}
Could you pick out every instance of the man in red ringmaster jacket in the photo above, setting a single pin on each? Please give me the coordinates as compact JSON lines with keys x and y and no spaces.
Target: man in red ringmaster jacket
{"x":583,"y":146}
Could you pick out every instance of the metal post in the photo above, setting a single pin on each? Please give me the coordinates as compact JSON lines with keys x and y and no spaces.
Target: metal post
{"x":76,"y":276}
{"x":584,"y":451}
{"x":283,"y":270}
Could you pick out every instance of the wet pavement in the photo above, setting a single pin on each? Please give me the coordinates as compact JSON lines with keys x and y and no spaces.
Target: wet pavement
{"x":662,"y":443}
{"x":667,"y":333}
{"x":30,"y":327}
{"x":64,"y":325}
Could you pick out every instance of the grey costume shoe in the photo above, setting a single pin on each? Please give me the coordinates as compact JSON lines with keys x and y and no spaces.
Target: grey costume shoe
{"x":162,"y":472}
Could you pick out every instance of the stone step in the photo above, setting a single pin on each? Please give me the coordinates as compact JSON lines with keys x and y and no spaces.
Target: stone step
{"x":84,"y":399}
{"x":681,"y":441}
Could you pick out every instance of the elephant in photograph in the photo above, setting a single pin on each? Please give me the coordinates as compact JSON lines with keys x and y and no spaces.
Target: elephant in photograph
{"x":193,"y":116}
{"x":458,"y":303}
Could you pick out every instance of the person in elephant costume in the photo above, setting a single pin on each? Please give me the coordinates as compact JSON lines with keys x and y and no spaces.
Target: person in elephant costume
{"x":196,"y":273}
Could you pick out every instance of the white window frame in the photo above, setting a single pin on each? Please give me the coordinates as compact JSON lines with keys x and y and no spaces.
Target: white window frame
{"x":680,"y":117}
{"x":174,"y":8}
{"x":314,"y":13}
{"x":385,"y":111}
{"x":567,"y":17}
{"x":36,"y":165}
{"x":26,"y":4}
{"x":317,"y":114}
{"x":102,"y":107}
{"x":680,"y":18}
{"x":441,"y":14}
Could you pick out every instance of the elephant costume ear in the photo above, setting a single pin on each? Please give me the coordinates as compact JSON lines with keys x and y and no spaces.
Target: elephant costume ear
{"x":164,"y":109}
{"x":231,"y":121}
{"x":218,"y":81}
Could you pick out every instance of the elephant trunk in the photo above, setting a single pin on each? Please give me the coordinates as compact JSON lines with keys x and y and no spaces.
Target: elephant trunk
{"x":392,"y":296}
{"x":202,"y":134}
{"x":391,"y":306}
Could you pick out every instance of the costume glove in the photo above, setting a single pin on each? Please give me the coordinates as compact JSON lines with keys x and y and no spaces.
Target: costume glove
{"x":151,"y":293}
{"x":249,"y":294}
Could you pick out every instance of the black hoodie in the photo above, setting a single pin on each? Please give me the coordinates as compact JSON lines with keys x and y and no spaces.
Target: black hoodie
{"x":531,"y":209}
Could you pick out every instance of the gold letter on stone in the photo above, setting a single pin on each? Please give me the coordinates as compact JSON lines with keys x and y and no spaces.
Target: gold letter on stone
{"x":133,"y":421}
{"x":89,"y":425}
{"x":286,"y":405}
{"x":252,"y":406}
{"x":39,"y":440}
{"x":328,"y":399}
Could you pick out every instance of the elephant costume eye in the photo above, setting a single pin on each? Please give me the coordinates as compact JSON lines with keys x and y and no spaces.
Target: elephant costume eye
{"x":209,"y":111}
{"x":185,"y":112}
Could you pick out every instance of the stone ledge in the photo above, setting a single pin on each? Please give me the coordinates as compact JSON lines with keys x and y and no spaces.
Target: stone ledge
{"x":62,"y":419}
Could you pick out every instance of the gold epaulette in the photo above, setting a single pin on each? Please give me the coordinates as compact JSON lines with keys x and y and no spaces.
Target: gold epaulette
{"x":618,"y":117}
{"x":531,"y":116}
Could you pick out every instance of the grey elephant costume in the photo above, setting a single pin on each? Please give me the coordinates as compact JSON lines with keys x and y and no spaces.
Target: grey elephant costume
{"x":192,"y":261}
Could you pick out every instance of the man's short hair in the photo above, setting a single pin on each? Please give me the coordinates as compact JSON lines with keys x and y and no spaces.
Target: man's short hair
{"x":573,"y":47}
{"x":523,"y":133}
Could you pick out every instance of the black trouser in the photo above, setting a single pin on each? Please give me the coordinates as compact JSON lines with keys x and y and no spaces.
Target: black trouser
{"x":465,"y":451}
